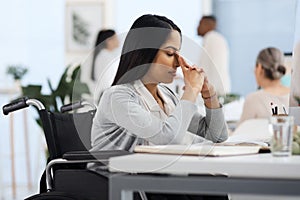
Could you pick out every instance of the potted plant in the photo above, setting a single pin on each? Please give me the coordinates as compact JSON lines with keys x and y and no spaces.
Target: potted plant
{"x":17,"y":71}
{"x":225,"y":99}
{"x":69,"y":88}
{"x":297,"y":98}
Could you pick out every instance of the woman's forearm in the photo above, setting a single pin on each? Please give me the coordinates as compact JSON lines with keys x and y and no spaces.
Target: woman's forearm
{"x":190,"y":94}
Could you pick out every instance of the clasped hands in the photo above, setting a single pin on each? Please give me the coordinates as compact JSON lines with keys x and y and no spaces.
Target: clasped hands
{"x":195,"y":79}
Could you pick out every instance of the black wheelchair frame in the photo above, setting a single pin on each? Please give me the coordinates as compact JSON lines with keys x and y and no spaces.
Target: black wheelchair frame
{"x":68,"y":141}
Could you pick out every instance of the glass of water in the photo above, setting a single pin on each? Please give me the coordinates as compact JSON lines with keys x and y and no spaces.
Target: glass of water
{"x":281,"y":127}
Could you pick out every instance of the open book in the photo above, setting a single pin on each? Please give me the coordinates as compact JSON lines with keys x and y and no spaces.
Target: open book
{"x":251,"y":137}
{"x":198,"y":149}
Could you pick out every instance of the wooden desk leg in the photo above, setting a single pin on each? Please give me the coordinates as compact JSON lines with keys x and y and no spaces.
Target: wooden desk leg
{"x":12,"y":157}
{"x":27,"y":151}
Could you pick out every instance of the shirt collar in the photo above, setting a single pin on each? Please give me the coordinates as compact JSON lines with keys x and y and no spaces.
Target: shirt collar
{"x":146,"y":96}
{"x":169,"y":104}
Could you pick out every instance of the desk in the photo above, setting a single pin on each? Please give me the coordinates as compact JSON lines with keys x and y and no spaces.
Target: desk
{"x":253,"y":174}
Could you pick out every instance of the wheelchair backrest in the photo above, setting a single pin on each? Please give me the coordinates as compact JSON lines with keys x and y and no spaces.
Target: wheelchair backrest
{"x":64,"y":132}
{"x":71,"y":132}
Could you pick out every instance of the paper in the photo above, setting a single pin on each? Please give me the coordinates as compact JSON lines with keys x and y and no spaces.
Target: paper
{"x":252,"y":131}
{"x":198,"y":150}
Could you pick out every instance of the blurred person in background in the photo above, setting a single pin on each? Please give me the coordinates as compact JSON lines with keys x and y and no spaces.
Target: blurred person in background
{"x":104,"y":65}
{"x":269,"y":69}
{"x":99,"y":70}
{"x":105,"y":51}
{"x":215,"y":56}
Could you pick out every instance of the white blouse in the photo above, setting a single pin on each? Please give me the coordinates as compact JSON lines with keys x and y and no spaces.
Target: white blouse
{"x":128,"y":115}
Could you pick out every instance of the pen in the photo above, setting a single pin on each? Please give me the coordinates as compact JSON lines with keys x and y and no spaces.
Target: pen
{"x":272,"y":107}
{"x":276,"y":110}
{"x":284,"y":110}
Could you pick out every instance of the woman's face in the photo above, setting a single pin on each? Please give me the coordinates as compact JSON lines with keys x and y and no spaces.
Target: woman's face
{"x":164,"y":66}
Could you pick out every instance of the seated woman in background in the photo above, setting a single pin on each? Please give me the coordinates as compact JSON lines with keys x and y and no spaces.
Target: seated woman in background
{"x":104,"y":69}
{"x":268,"y":71}
{"x":138,"y":110}
{"x":106,"y":44}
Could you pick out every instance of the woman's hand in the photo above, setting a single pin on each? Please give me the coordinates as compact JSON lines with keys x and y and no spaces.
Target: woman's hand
{"x":195,"y":82}
{"x":209,"y":95}
{"x":193,"y":76}
{"x":208,"y":89}
{"x":193,"y":79}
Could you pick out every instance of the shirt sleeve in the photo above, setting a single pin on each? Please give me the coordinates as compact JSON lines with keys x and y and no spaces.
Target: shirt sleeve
{"x":123,"y":107}
{"x":212,"y":126}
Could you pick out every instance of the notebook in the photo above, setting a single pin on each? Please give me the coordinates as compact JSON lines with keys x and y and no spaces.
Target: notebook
{"x":214,"y":150}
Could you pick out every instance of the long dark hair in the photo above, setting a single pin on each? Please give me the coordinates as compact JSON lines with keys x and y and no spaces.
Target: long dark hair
{"x":99,"y":45}
{"x":141,"y":45}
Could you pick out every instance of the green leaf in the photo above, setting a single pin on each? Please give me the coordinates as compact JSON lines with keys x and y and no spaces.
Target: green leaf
{"x":224,"y":99}
{"x":70,"y":87}
{"x":297,"y":98}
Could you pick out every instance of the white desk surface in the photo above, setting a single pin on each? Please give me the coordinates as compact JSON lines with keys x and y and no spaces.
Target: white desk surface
{"x":255,"y":166}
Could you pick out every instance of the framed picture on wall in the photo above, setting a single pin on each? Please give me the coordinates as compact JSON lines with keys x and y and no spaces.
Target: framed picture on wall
{"x":83,"y":21}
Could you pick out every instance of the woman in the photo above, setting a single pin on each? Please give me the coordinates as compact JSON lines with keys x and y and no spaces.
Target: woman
{"x":106,"y":44}
{"x":138,"y":110}
{"x":104,"y":65}
{"x":268,"y":71}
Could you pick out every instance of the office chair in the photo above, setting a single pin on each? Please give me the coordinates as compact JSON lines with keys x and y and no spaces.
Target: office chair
{"x":68,"y":141}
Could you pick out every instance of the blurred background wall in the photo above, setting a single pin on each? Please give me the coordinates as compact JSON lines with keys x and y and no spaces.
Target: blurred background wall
{"x":34,"y":34}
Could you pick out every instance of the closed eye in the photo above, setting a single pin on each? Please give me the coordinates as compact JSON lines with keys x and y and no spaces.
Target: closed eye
{"x":170,"y":54}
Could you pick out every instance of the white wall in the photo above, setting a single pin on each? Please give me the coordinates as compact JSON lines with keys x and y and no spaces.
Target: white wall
{"x":32,"y":34}
{"x":186,"y":14}
{"x":250,"y":26}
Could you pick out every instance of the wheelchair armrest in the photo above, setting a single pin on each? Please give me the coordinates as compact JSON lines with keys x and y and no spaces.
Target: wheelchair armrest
{"x":94,"y":155}
{"x":81,"y":157}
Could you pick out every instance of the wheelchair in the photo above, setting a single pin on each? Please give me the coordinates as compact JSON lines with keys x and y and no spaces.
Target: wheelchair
{"x":68,"y":136}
